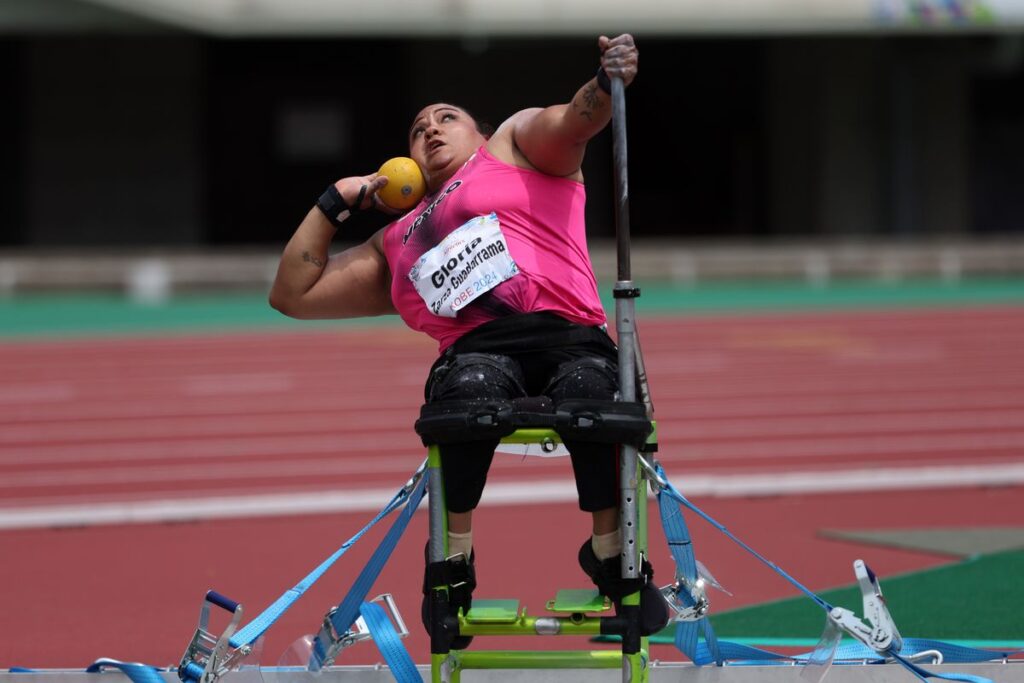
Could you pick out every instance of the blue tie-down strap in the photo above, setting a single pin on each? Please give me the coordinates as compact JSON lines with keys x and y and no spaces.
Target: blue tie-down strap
{"x":377,"y":622}
{"x":708,"y":652}
{"x":389,"y":644}
{"x":678,"y":536}
{"x":266,"y":619}
{"x":913,"y":647}
{"x":953,"y":653}
{"x":208,"y":657}
{"x":138,"y":673}
{"x":737,"y":654}
{"x":668,"y":489}
{"x":925,"y":675}
{"x":340,"y":619}
{"x":712,"y":651}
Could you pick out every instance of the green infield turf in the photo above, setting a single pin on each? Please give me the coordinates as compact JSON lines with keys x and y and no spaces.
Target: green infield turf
{"x":976,"y":600}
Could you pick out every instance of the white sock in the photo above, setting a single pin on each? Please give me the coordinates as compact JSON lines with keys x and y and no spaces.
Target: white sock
{"x":460,"y":543}
{"x":606,"y":545}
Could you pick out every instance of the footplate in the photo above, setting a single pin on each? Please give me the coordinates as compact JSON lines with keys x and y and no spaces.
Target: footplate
{"x":493,"y":612}
{"x":579,"y":601}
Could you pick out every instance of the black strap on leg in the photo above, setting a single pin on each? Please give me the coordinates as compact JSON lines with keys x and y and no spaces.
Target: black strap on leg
{"x":595,"y":420}
{"x":444,"y":422}
{"x":460,"y":421}
{"x":454,"y":572}
{"x":590,"y":420}
{"x":457,"y":576}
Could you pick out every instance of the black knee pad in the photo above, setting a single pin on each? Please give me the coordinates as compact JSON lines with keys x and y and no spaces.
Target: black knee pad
{"x":584,"y":392}
{"x":469,"y":398}
{"x":590,"y":377}
{"x":475,"y":376}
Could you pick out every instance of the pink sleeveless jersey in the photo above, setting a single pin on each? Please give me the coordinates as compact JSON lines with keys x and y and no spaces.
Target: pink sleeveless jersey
{"x":495,"y":240}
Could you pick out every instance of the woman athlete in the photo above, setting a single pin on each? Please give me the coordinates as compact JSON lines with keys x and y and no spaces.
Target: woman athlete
{"x":493,"y":264}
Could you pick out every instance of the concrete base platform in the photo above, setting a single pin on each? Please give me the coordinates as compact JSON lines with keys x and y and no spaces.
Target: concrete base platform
{"x":661,"y":672}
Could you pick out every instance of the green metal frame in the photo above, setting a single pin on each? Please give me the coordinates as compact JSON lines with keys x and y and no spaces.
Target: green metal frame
{"x":447,"y":667}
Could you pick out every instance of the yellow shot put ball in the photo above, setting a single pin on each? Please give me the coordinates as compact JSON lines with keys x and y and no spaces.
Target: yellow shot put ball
{"x":405,"y":187}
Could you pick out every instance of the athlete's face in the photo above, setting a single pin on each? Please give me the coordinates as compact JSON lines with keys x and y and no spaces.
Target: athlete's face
{"x":441,"y":139}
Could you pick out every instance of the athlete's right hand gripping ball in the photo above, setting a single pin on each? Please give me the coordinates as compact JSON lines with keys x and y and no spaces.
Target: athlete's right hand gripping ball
{"x":405,"y":187}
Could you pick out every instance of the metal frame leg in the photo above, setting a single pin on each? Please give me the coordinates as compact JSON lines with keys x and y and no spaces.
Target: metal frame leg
{"x":446,"y":665}
{"x":437,"y":552}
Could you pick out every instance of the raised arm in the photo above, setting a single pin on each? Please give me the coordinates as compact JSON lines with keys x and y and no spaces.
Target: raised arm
{"x":554,"y":139}
{"x":352,"y":283}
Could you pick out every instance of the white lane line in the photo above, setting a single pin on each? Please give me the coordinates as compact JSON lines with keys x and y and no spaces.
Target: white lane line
{"x":866,"y":423}
{"x":234,"y":446}
{"x":904,"y":402}
{"x":145,"y":474}
{"x":848,"y":447}
{"x":503,"y":493}
{"x":814,"y":381}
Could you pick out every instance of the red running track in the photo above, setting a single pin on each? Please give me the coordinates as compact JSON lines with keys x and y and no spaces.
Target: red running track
{"x":769,"y":405}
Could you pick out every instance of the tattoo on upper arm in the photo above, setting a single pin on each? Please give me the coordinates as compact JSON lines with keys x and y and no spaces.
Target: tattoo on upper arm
{"x":309,"y":258}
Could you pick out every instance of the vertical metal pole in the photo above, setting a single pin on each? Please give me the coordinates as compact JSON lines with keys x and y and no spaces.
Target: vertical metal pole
{"x":624,"y":324}
{"x":438,"y":523}
{"x":619,"y":153}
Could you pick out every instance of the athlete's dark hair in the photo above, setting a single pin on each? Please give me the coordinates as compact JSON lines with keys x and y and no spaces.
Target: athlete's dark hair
{"x":482,"y":127}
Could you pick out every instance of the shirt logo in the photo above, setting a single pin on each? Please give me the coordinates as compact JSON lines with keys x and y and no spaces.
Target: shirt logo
{"x":427,"y":211}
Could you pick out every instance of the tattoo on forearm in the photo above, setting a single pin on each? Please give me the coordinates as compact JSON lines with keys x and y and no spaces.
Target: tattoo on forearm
{"x":591,"y":101}
{"x":309,"y":258}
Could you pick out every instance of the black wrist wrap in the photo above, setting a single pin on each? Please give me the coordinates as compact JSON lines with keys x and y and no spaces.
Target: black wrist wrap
{"x":603,"y":82}
{"x":335,"y":208}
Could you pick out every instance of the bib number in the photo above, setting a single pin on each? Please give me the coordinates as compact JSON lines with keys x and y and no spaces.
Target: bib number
{"x":468,"y":263}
